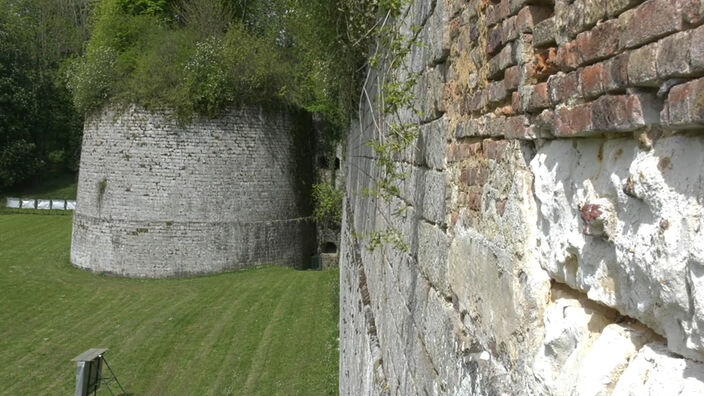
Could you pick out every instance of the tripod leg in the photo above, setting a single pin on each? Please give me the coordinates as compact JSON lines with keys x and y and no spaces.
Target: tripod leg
{"x":113,"y":376}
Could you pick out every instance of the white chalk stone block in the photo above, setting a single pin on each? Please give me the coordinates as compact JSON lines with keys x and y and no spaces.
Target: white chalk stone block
{"x":29,"y":204}
{"x":44,"y":204}
{"x":13,"y":203}
{"x":58,"y":204}
{"x":70,"y":205}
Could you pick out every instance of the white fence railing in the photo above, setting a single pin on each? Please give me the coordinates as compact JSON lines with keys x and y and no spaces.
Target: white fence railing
{"x":43,"y":204}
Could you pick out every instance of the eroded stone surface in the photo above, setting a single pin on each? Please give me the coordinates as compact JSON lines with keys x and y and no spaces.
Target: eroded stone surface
{"x":645,"y":257}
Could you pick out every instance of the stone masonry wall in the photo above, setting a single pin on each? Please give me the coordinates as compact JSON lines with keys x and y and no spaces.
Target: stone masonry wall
{"x":557,"y":205}
{"x":157,"y":199}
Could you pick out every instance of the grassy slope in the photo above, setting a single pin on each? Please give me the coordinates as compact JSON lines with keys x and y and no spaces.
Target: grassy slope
{"x":62,"y":186}
{"x":264,"y":331}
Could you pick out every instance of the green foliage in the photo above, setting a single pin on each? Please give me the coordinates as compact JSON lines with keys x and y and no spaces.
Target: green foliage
{"x":201,"y":56}
{"x":328,"y":204}
{"x":37,"y":120}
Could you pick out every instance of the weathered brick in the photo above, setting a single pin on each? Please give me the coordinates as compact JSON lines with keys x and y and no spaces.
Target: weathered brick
{"x":568,"y":58}
{"x":642,"y":66}
{"x":543,"y":123}
{"x":692,"y":11}
{"x":673,"y":56}
{"x":493,"y":40}
{"x":609,"y":113}
{"x":545,"y":63}
{"x":501,"y":61}
{"x":624,"y":113}
{"x":598,"y":43}
{"x":474,"y":201}
{"x":456,"y":152}
{"x":494,"y":149}
{"x":509,"y":31}
{"x":475,"y":102}
{"x":696,"y":50}
{"x":471,"y":128}
{"x":616,"y":73}
{"x":530,"y":16}
{"x":512,"y":77}
{"x":516,"y":5}
{"x":516,"y":102}
{"x":475,"y":175}
{"x":519,"y":127}
{"x":593,"y":78}
{"x":615,"y":7}
{"x":648,"y":22}
{"x":573,"y":121}
{"x":564,"y":87}
{"x":685,"y":105}
{"x":544,"y":33}
{"x":537,"y":98}
{"x":495,"y":13}
{"x":497,"y":92}
{"x":495,"y":126}
{"x":583,"y":14}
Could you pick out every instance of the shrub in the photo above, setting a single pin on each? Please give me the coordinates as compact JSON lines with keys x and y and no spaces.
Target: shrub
{"x":328,"y":204}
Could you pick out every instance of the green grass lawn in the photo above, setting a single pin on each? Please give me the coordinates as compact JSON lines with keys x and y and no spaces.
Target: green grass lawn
{"x":266,"y":331}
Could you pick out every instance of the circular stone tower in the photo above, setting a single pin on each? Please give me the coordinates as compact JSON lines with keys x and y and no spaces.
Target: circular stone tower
{"x":159,"y":199}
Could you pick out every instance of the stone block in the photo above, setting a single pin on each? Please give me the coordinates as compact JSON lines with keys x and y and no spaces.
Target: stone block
{"x":500,"y":62}
{"x":593,"y":78}
{"x":616,"y":73}
{"x":519,"y":127}
{"x":494,"y":149}
{"x":616,"y":7}
{"x":642,"y":66}
{"x":494,"y":40}
{"x":544,"y":33}
{"x":475,"y":175}
{"x":648,"y":22}
{"x":573,"y":121}
{"x":599,"y":43}
{"x":432,"y":142}
{"x":530,"y":16}
{"x":696,"y":50}
{"x":434,"y":197}
{"x":568,"y":56}
{"x":673,"y":56}
{"x":537,"y":97}
{"x":433,"y":247}
{"x":692,"y":11}
{"x":564,"y":87}
{"x":497,"y":92}
{"x":685,"y":105}
{"x":512,"y":78}
{"x":544,"y":64}
{"x":496,"y":13}
{"x":471,"y":128}
{"x":509,"y":30}
{"x":583,"y":14}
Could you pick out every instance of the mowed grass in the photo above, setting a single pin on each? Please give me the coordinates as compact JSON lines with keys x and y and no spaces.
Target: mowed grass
{"x":265,"y":331}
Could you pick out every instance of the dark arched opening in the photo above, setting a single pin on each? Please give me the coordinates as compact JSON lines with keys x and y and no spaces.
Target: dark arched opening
{"x":329,"y":247}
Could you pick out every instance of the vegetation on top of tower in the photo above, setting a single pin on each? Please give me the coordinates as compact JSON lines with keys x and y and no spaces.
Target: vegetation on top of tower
{"x":201,"y":56}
